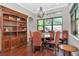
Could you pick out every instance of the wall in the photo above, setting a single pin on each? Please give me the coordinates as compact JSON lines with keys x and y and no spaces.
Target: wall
{"x":31,"y":26}
{"x":73,"y":40}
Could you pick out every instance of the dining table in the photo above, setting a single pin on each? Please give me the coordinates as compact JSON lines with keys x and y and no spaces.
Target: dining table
{"x":68,"y":49}
{"x":46,"y":37}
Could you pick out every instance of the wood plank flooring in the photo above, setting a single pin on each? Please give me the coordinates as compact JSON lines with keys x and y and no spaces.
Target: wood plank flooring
{"x":26,"y":51}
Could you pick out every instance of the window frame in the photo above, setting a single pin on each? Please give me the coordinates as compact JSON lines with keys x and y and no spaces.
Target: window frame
{"x":59,"y":24}
{"x":40,"y":25}
{"x":74,"y":12}
{"x":51,"y":24}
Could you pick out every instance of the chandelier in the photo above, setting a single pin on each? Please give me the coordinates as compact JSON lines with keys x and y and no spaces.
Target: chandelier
{"x":40,"y":13}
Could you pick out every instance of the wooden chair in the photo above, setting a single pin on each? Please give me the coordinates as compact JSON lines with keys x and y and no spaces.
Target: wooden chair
{"x":51,"y":35}
{"x":37,"y":40}
{"x":55,"y":42}
{"x":51,"y":39}
{"x":57,"y":37}
{"x":65,"y":37}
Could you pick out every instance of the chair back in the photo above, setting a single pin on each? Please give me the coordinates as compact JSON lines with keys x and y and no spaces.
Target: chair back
{"x":51,"y":35}
{"x":37,"y":38}
{"x":57,"y":37}
{"x":65,"y":35}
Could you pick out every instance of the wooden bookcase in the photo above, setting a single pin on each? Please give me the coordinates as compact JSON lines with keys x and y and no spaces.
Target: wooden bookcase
{"x":13,"y":29}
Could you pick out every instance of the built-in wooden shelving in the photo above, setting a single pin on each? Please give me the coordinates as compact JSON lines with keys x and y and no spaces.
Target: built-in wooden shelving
{"x":13,"y":28}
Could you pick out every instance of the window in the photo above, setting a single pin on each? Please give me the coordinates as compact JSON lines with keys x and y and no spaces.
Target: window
{"x":75,"y":21}
{"x":45,"y":24}
{"x":57,"y":24}
{"x":40,"y":25}
{"x":73,"y":24}
{"x":50,"y":24}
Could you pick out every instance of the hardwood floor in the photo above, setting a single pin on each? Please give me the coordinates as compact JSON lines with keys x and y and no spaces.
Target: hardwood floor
{"x":26,"y":51}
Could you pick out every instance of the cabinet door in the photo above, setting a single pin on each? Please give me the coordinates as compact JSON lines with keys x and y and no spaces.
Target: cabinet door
{"x":6,"y":44}
{"x":19,"y":40}
{"x":13,"y":42}
{"x":25,"y":39}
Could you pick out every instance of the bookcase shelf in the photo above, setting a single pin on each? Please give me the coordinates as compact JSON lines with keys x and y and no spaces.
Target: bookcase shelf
{"x":13,"y":26}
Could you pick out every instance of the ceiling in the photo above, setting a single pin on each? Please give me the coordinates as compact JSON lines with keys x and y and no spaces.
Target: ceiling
{"x":33,"y":7}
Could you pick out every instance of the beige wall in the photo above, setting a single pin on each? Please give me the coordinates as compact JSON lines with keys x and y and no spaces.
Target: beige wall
{"x":74,"y":41}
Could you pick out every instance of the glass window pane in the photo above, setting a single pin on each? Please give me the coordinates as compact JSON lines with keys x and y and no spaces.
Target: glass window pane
{"x":40,"y":27}
{"x":48,"y":22}
{"x":77,"y":13}
{"x":48,"y":28}
{"x":73,"y":17}
{"x":77,"y":27}
{"x":73,"y":24}
{"x":57,"y":20}
{"x":40,"y":22}
{"x":77,"y":22}
{"x":57,"y":28}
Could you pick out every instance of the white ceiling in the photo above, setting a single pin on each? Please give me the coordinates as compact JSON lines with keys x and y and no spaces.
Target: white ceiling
{"x":33,"y":7}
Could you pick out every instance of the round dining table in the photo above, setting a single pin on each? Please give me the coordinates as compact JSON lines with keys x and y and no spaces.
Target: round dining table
{"x":68,"y":48}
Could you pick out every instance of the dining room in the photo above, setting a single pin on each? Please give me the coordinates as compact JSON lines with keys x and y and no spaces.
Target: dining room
{"x":39,"y":29}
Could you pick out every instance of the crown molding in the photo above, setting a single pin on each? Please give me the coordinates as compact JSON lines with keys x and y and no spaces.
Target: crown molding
{"x":48,"y":10}
{"x":25,"y":8}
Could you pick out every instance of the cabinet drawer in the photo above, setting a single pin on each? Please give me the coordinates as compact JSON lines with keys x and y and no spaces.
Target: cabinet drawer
{"x":6,"y":44}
